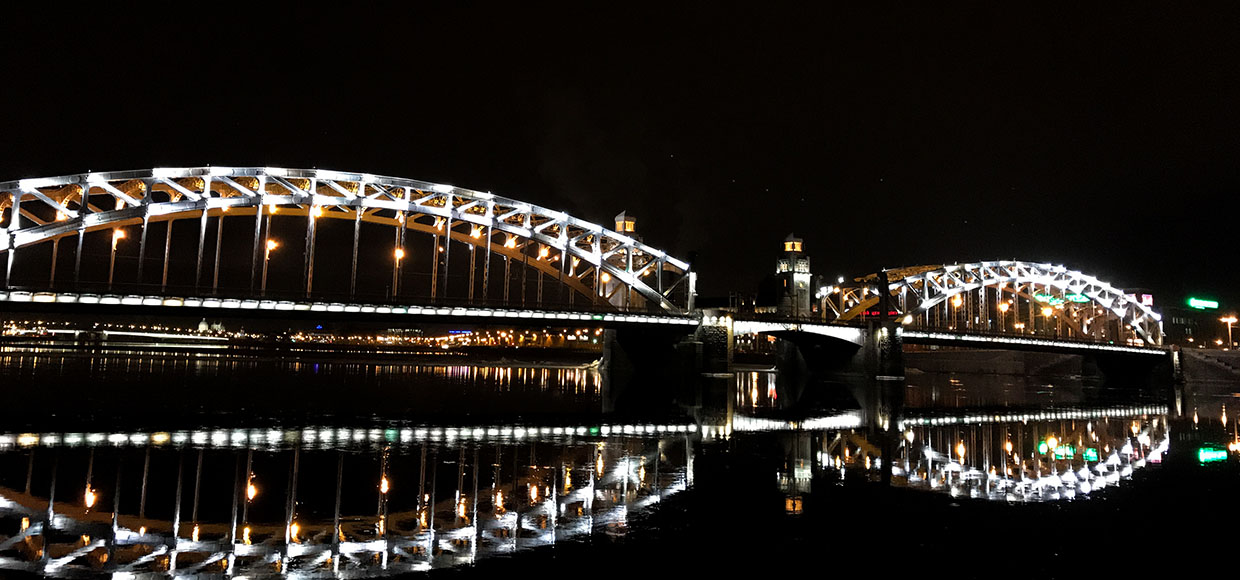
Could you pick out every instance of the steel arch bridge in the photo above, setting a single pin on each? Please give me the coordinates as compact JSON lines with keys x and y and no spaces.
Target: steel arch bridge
{"x":1004,"y":297}
{"x":609,"y":269}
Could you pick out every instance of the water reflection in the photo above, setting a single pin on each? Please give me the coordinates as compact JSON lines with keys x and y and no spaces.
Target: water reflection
{"x":1013,"y":457}
{"x":194,"y":387}
{"x":323,"y":501}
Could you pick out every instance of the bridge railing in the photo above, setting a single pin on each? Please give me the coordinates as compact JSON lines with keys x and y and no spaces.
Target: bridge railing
{"x":377,"y":299}
{"x":861,"y":323}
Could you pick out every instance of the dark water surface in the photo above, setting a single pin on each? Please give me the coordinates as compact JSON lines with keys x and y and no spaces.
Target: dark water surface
{"x":374,"y":468}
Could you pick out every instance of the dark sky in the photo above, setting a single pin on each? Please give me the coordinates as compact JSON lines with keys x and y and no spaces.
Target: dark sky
{"x":1101,"y":138}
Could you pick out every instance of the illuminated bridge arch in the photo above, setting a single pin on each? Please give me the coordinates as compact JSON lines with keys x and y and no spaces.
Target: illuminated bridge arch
{"x":604,"y":268}
{"x":1004,"y":297}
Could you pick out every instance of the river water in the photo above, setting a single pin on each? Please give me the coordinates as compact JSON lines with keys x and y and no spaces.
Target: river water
{"x":261,"y":464}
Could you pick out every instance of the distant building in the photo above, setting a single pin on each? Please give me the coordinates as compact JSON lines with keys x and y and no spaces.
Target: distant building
{"x":788,"y":293}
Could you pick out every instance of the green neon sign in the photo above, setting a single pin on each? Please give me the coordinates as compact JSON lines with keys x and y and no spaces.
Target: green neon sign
{"x":1048,"y":299}
{"x":1202,"y":304}
{"x":1076,"y":297}
{"x":1042,"y":448}
{"x":1211,"y":455}
{"x":1065,"y":452}
{"x":1090,"y":454}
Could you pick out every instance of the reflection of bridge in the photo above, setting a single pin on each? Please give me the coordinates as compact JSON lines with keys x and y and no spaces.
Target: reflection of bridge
{"x":478,"y":492}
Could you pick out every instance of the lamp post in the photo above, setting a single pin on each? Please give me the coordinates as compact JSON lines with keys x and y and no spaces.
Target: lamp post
{"x":1230,"y":320}
{"x":400,"y":255}
{"x":117,"y":235}
{"x":1003,"y":308}
{"x":271,"y":245}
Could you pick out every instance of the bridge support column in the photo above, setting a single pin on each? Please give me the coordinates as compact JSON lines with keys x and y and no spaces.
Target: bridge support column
{"x":655,"y":369}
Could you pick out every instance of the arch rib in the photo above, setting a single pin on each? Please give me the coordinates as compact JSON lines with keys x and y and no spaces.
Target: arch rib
{"x":191,"y":191}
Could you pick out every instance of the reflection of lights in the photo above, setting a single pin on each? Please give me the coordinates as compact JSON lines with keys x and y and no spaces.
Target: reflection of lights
{"x":194,"y":534}
{"x":245,"y":535}
{"x":499,"y":501}
{"x":533,"y":493}
{"x":1008,"y":446}
{"x":25,"y":523}
{"x":384,"y":486}
{"x":960,"y":451}
{"x":598,"y":465}
{"x":460,"y":508}
{"x":294,"y":529}
{"x":90,"y":496}
{"x":251,"y":490}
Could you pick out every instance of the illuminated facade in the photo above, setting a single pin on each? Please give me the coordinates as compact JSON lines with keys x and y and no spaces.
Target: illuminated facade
{"x":795,"y":280}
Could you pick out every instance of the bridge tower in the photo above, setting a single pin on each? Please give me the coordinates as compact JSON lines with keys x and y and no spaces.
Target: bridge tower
{"x":793,"y":273}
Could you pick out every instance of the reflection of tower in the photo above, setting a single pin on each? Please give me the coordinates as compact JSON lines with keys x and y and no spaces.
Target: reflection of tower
{"x":792,"y":271}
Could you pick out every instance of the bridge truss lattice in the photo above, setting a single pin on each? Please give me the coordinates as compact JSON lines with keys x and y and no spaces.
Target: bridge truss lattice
{"x":611,"y":270}
{"x":1002,"y":297}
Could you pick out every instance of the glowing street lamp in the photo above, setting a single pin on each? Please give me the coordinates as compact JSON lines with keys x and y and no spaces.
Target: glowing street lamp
{"x":117,"y":235}
{"x":271,"y":245}
{"x":399,"y":254}
{"x":1230,"y":320}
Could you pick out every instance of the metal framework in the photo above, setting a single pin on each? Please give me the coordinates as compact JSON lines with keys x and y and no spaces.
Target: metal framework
{"x":1002,"y":297}
{"x":588,"y":480}
{"x":614,"y":270}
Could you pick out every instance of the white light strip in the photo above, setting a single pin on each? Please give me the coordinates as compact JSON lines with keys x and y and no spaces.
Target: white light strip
{"x":323,"y":436}
{"x":251,"y":304}
{"x":1047,"y":415}
{"x":952,"y":337}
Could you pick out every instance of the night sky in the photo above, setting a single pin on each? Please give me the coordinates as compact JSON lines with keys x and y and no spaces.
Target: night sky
{"x":1103,"y":139}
